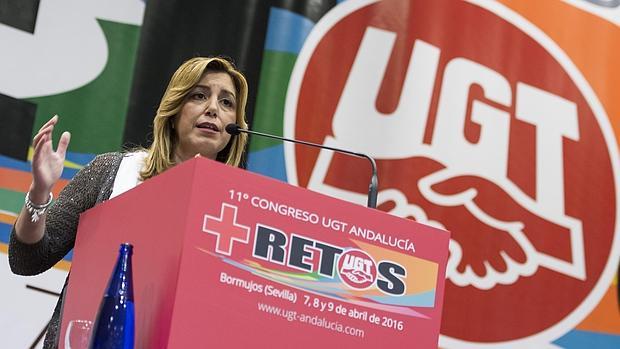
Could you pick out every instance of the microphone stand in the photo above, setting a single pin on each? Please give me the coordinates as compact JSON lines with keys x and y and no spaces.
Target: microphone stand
{"x":235,"y":129}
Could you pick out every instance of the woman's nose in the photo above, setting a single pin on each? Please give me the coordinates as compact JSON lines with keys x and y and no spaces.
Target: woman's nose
{"x":211,"y":108}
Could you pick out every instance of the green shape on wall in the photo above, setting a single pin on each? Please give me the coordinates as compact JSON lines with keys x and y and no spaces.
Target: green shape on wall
{"x":95,"y":113}
{"x":275,"y":74}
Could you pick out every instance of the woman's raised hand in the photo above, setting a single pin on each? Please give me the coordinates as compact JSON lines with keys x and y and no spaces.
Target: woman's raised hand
{"x":47,"y":164}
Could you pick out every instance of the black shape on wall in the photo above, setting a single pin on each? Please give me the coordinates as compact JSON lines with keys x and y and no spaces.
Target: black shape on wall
{"x":174,"y":31}
{"x":19,"y":14}
{"x":17,"y":120}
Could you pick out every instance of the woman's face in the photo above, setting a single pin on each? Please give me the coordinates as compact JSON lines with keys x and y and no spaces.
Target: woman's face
{"x":208,"y":108}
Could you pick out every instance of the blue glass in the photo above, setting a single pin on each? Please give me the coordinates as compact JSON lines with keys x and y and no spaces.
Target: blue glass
{"x":115,"y":324}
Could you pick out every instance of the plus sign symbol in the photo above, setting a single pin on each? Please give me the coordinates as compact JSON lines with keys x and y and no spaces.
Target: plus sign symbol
{"x":226,"y":229}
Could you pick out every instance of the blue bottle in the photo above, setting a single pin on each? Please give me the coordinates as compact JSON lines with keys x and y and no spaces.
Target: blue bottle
{"x":115,"y":323}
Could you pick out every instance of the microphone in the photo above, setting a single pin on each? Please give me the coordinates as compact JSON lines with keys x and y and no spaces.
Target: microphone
{"x":235,"y":129}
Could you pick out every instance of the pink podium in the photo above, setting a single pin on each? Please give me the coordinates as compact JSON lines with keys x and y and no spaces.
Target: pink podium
{"x":224,"y":258}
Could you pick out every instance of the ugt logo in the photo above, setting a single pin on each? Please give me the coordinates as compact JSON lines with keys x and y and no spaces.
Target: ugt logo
{"x":357,"y":269}
{"x":483,"y":126}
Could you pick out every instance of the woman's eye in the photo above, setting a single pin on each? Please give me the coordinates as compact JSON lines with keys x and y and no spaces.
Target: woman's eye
{"x":227,"y":102}
{"x":199,"y":96}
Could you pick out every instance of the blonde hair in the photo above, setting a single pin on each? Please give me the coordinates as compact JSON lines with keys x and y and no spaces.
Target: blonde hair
{"x":160,"y":153}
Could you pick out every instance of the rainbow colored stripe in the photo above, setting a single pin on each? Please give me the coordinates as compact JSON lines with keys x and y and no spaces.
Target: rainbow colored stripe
{"x":420,"y":283}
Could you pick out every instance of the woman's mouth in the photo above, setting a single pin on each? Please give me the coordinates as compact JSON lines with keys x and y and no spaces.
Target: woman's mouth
{"x":208,"y":126}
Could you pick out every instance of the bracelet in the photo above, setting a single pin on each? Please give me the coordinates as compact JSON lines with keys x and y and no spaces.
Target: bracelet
{"x":36,"y":211}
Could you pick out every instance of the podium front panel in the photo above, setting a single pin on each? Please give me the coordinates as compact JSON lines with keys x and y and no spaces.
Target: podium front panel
{"x":265,"y":264}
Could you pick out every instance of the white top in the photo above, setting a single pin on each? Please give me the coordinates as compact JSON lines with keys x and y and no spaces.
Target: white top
{"x":128,"y":175}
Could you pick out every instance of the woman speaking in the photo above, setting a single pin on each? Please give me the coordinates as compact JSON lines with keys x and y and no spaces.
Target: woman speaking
{"x":204,"y":95}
